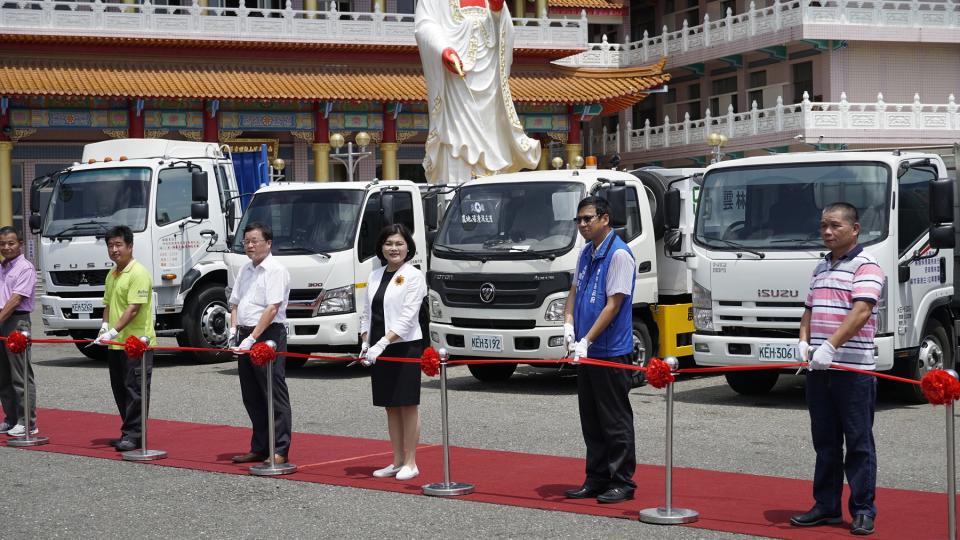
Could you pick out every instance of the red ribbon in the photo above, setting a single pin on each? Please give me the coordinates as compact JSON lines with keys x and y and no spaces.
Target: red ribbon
{"x":939,"y":387}
{"x":17,"y":342}
{"x":262,"y":354}
{"x":134,"y":348}
{"x":658,"y":373}
{"x":430,"y":362}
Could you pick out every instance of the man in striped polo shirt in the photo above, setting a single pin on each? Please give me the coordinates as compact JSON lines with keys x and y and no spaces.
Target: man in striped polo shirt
{"x":838,"y":326}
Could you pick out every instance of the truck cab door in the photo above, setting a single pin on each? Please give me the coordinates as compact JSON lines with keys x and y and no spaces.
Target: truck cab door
{"x":638,"y":233}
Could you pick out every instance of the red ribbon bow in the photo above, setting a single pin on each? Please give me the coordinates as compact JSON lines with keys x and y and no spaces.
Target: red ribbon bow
{"x":430,"y":362}
{"x":939,"y":387}
{"x":262,"y":354}
{"x":17,"y":342}
{"x":658,"y":373}
{"x":134,"y":348}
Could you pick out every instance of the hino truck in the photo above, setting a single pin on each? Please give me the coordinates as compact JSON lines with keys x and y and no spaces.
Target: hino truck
{"x":325,"y":235}
{"x":506,"y":251}
{"x":757,"y":241}
{"x":178,"y":198}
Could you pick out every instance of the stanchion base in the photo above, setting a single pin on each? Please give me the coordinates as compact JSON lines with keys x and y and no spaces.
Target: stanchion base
{"x":143,"y":455}
{"x":277,"y":469}
{"x":443,"y":489}
{"x":676,"y":516}
{"x":31,"y":440}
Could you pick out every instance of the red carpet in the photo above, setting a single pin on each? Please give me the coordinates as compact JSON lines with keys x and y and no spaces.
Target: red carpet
{"x":741,"y":503}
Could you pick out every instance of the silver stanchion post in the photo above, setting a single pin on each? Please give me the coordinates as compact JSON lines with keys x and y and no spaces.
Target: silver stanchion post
{"x":142,"y":454}
{"x":445,"y":488}
{"x":28,"y":439}
{"x":951,"y":470}
{"x":668,"y":515}
{"x":271,"y":467}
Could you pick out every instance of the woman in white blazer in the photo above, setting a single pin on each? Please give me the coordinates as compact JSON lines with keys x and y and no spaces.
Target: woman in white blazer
{"x":391,"y":321}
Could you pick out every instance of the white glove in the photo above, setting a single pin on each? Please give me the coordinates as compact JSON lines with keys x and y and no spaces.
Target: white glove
{"x":823,"y":356}
{"x":232,"y":337}
{"x":804,"y":349}
{"x":106,"y":336}
{"x":364,"y":347}
{"x":376,"y":351}
{"x":580,"y":350}
{"x":103,"y":328}
{"x":569,"y":338}
{"x":246,"y":344}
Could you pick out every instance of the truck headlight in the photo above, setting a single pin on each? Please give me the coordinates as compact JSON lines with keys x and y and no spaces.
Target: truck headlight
{"x":48,"y":309}
{"x":436,"y":308}
{"x":702,"y":308}
{"x":339,"y":300}
{"x":554,"y":311}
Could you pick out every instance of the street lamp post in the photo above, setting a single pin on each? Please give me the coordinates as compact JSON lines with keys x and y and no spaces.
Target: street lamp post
{"x":717,"y":140}
{"x":350,"y":159}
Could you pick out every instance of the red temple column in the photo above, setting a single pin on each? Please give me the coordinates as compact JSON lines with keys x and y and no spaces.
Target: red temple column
{"x":321,"y":143}
{"x":211,"y":127}
{"x":135,"y":120}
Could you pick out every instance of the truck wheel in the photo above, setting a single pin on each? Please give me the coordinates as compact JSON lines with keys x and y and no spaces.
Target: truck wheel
{"x":934,"y":353}
{"x":643,"y":350}
{"x":492,"y":372}
{"x":94,"y":353}
{"x":295,"y":363}
{"x":752,"y":383}
{"x":206,"y":322}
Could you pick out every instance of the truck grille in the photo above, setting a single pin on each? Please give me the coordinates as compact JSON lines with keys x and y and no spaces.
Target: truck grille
{"x":75,"y":278}
{"x":494,"y":324}
{"x":758,"y":319}
{"x":497,"y":291}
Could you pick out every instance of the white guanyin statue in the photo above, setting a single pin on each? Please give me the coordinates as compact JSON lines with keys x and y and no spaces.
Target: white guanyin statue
{"x":466,"y":47}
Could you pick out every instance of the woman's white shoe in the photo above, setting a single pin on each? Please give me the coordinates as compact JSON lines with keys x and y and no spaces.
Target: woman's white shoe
{"x":388,"y":471}
{"x":406,"y":473}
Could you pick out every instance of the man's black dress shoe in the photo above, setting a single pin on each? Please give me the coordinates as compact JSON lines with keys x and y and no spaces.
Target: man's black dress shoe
{"x":862,"y":525}
{"x":126,"y":445}
{"x":615,"y":495}
{"x":583,"y":492}
{"x":815,"y":517}
{"x":114,"y":442}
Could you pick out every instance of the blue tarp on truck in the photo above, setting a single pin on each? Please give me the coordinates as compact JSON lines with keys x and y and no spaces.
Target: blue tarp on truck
{"x":252,"y":170}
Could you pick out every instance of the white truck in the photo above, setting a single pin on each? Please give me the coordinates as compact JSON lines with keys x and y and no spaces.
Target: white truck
{"x":178,"y":198}
{"x":506,"y":252}
{"x":325,"y":235}
{"x":757,"y":241}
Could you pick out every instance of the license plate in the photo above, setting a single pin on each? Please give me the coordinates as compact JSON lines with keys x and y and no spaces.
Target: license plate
{"x":779,"y":351}
{"x":487,"y":343}
{"x":82,"y":307}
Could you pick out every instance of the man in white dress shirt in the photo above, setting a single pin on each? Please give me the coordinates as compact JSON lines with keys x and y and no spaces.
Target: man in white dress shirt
{"x":258,"y":309}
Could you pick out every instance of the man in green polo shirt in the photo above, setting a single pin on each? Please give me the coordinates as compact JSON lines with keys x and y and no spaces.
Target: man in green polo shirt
{"x":127,"y":311}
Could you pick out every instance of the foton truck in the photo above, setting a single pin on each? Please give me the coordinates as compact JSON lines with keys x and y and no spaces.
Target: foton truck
{"x":325,"y":235}
{"x":506,"y":252}
{"x":757,"y":241}
{"x":178,"y":197}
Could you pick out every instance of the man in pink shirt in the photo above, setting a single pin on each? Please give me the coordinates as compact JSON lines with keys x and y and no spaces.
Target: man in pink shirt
{"x":838,"y":327}
{"x":17,"y":280}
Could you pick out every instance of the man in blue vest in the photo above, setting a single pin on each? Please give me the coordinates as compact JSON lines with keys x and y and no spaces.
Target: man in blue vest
{"x":599,"y":325}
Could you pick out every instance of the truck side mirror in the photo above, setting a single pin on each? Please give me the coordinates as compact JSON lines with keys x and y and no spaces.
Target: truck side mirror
{"x":199,"y":180}
{"x":35,"y":223}
{"x":617,"y":197}
{"x":199,"y":210}
{"x":942,"y":236}
{"x":941,"y":201}
{"x":388,"y":206}
{"x":672,"y":208}
{"x":431,"y":212}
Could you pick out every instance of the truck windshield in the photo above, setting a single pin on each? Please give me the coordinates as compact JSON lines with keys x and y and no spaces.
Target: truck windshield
{"x":518,"y":221}
{"x":90,"y":202}
{"x":305,"y":221}
{"x":779,"y":207}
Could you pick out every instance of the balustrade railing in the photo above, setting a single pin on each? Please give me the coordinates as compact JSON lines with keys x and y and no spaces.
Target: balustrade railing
{"x":195,"y":21}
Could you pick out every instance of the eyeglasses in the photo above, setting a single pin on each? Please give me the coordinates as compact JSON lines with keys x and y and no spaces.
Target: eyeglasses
{"x":586,"y":220}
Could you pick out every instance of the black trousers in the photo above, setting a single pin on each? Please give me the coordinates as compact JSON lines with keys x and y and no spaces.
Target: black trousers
{"x":125,"y":377}
{"x":606,"y":419}
{"x":253,"y":388}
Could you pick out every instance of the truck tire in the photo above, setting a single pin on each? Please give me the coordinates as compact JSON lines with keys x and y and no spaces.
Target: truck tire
{"x":643,"y":349}
{"x":492,"y":372}
{"x":655,"y":190}
{"x":94,"y":353}
{"x":206,"y":322}
{"x":752,"y":383}
{"x":934,"y":353}
{"x":295,"y":363}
